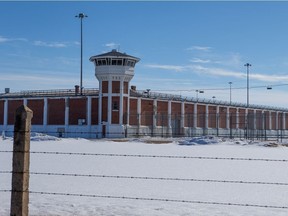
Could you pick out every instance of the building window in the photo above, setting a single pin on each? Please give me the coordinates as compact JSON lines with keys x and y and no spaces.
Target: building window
{"x":115,"y":106}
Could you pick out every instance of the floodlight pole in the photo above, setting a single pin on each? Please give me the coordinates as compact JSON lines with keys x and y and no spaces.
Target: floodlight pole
{"x":81,"y":16}
{"x":247,"y":65}
{"x":230,"y":83}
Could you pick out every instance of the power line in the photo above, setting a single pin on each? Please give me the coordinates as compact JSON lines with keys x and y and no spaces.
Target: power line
{"x":221,"y":89}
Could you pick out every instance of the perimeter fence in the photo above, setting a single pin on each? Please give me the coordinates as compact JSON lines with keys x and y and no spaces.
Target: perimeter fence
{"x":252,"y":126}
{"x":147,"y":178}
{"x":21,"y":154}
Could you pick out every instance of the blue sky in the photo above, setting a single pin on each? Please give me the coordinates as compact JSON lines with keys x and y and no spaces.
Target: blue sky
{"x":183,"y":46}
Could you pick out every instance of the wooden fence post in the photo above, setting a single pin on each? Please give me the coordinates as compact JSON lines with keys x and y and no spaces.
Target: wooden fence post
{"x":21,"y":161}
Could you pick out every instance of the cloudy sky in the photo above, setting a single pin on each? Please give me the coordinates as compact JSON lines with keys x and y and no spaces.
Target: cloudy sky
{"x":183,"y":46}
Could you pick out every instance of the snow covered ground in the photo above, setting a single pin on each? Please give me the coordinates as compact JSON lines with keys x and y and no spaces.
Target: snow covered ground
{"x":158,"y":167}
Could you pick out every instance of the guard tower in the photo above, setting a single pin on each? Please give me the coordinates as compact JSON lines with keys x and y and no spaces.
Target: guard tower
{"x":114,"y":70}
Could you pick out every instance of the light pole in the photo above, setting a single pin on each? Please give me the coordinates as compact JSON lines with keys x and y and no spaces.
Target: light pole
{"x":81,"y":16}
{"x":198,"y":91}
{"x":247,"y":65}
{"x":230,"y":83}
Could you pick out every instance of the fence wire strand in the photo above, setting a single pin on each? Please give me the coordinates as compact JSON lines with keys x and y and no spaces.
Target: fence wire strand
{"x":154,"y":199}
{"x":152,"y":178}
{"x":151,"y":156}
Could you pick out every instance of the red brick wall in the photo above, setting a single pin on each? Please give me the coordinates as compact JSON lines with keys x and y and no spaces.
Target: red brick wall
{"x":222,"y":117}
{"x":133,"y":112}
{"x":242,"y":118}
{"x":12,"y":106}
{"x":266,"y":120}
{"x":279,"y":120}
{"x":115,"y":112}
{"x":126,"y":87}
{"x":104,"y":108}
{"x":259,"y":119}
{"x":176,"y":109}
{"x":233,"y":117}
{"x":146,"y":112}
{"x":2,"y":112}
{"x":273,"y":114}
{"x":189,"y":115}
{"x":104,"y":86}
{"x":212,"y":117}
{"x":162,"y":112}
{"x":176,"y":115}
{"x":56,"y":111}
{"x":77,"y":110}
{"x":201,"y":115}
{"x":94,"y":111}
{"x":125,"y":109}
{"x":37,"y":107}
{"x":115,"y":86}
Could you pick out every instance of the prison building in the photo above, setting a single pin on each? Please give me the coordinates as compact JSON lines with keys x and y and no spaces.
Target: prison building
{"x":118,"y":109}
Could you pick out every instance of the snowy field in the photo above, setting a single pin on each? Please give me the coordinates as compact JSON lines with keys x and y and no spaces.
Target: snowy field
{"x":209,"y":195}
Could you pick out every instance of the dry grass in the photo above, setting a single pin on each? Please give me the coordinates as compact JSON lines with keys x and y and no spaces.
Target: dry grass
{"x":147,"y":141}
{"x":158,"y":141}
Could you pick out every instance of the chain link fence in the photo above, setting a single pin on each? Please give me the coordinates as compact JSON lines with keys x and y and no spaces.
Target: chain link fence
{"x":249,"y":126}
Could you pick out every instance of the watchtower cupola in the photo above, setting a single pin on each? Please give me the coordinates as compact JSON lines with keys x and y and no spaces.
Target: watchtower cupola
{"x":114,"y":70}
{"x":114,"y":65}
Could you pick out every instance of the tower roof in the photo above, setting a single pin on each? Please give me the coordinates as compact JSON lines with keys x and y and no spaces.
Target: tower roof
{"x":114,"y":53}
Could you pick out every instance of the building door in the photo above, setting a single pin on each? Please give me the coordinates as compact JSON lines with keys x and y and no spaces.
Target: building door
{"x":103,"y":131}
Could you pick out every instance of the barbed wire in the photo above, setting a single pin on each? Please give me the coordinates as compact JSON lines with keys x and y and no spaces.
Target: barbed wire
{"x":153,"y":199}
{"x":150,"y":156}
{"x":151,"y":178}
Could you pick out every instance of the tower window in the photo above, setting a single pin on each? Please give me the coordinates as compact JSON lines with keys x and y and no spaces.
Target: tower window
{"x":101,"y":62}
{"x":130,"y":63}
{"x":115,"y":106}
{"x":117,"y":61}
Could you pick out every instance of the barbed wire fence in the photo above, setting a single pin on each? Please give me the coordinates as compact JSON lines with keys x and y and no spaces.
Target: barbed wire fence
{"x":152,"y":178}
{"x":20,"y":150}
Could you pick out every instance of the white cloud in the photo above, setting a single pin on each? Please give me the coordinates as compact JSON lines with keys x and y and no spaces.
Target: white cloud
{"x":51,"y":44}
{"x":167,"y":67}
{"x":200,"y":48}
{"x":229,"y":73}
{"x":221,"y":72}
{"x":5,"y":39}
{"x":198,"y":60}
{"x":112,"y":45}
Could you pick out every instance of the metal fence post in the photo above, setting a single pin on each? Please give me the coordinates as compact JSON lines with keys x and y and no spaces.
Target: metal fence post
{"x":21,"y":160}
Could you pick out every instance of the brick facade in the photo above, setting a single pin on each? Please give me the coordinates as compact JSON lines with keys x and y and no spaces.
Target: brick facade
{"x":2,"y":112}
{"x":133,"y":118}
{"x":37,"y":105}
{"x":94,"y":111}
{"x":77,"y":110}
{"x":12,"y":106}
{"x":56,"y":111}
